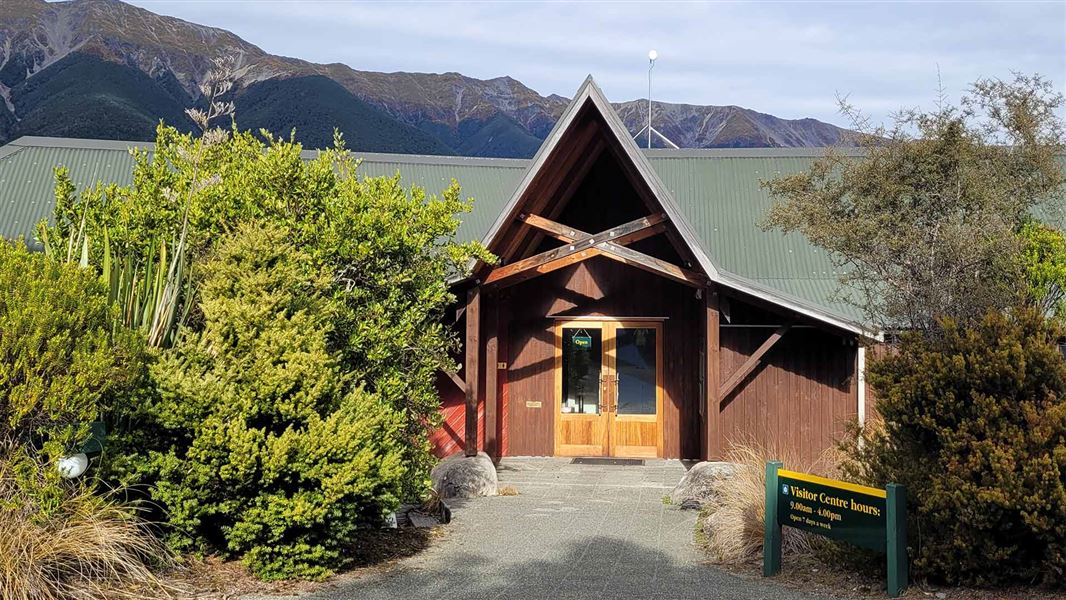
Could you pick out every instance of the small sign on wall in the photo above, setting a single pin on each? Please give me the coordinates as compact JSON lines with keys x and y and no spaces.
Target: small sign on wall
{"x":533,"y":404}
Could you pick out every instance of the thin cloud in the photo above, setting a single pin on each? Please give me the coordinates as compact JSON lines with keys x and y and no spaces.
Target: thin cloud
{"x":787,"y":59}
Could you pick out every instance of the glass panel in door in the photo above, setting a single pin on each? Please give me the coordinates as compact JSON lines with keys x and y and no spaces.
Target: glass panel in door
{"x":582,"y":366}
{"x":635,"y":365}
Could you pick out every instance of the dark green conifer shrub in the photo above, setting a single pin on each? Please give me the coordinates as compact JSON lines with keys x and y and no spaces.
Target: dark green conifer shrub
{"x":273,"y":452}
{"x":975,"y":427}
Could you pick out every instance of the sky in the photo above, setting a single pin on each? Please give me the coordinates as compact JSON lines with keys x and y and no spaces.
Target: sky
{"x":790,"y":59}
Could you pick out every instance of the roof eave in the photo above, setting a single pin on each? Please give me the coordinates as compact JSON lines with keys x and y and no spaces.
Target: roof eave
{"x":798,"y":305}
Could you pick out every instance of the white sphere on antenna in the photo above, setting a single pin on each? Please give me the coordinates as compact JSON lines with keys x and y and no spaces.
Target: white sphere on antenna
{"x":652,"y":55}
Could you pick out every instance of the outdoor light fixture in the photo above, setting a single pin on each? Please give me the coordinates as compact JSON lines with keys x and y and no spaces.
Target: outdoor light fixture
{"x":73,"y":466}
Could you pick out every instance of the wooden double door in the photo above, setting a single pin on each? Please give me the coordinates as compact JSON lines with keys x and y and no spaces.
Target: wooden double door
{"x":609,"y":388}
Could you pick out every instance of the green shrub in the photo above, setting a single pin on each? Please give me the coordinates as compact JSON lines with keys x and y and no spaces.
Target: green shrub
{"x":63,"y":361}
{"x":388,"y":250}
{"x":975,"y":427}
{"x":64,"y":541}
{"x":273,"y":451}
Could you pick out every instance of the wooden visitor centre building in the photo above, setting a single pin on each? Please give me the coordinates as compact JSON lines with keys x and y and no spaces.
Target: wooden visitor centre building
{"x":607,"y":327}
{"x":637,"y":308}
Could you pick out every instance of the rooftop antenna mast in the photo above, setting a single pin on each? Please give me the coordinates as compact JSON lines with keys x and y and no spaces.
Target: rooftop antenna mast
{"x":652,"y":57}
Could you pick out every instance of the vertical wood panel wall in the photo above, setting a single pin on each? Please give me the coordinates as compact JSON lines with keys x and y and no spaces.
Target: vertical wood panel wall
{"x":598,"y":288}
{"x":799,"y":400}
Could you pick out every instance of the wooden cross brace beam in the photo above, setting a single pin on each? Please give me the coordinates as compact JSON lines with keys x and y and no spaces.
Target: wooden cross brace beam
{"x":458,"y":381}
{"x":579,"y":248}
{"x":616,"y":249}
{"x":749,"y":365}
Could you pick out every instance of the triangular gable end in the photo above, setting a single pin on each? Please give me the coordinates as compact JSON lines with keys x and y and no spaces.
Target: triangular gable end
{"x":568,"y":151}
{"x":588,"y":135}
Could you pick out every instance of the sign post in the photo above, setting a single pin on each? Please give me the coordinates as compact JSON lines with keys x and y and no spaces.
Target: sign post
{"x":896,"y":544}
{"x":771,"y":555}
{"x":868,"y":517}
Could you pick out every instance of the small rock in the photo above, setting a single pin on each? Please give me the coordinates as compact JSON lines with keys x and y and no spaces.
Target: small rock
{"x":690,"y":504}
{"x":941,"y":595}
{"x":700,"y":484}
{"x":420,"y":519}
{"x":460,"y":476}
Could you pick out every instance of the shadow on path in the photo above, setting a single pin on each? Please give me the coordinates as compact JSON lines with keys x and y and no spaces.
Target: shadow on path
{"x":599,"y":567}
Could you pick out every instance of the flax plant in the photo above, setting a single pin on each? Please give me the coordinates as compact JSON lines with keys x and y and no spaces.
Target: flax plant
{"x":151,"y":282}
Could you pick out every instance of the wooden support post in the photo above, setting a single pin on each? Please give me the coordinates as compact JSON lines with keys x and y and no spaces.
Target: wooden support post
{"x":712,"y":411}
{"x":491,"y":365}
{"x":472,"y":371}
{"x":503,"y":324}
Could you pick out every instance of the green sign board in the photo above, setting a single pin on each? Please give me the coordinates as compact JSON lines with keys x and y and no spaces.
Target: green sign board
{"x":868,"y":517}
{"x":835,"y":509}
{"x":582,"y":339}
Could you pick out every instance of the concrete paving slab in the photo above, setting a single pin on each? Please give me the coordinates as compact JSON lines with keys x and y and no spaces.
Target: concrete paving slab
{"x":573,"y":532}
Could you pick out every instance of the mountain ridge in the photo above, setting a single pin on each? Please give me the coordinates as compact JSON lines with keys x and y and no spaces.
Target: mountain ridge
{"x":438,"y":113}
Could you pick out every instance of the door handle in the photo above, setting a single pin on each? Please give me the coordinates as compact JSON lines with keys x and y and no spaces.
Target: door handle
{"x":611,"y":398}
{"x":607,"y":406}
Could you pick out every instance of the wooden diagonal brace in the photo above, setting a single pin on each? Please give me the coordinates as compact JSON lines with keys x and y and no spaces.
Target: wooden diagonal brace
{"x":570,"y":235}
{"x":749,"y":365}
{"x":581,"y":248}
{"x":458,"y":381}
{"x":616,"y":250}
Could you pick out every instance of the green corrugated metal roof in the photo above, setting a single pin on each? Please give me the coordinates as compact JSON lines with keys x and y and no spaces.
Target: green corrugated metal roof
{"x":27,"y":180}
{"x":719,"y":193}
{"x":488,"y":181}
{"x":717,"y":190}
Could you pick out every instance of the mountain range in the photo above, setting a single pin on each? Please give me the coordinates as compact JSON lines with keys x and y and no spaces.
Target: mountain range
{"x":109,"y":70}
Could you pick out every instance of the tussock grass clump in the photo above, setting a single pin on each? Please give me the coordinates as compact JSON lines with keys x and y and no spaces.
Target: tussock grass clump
{"x":732,"y":523}
{"x":61,"y":541}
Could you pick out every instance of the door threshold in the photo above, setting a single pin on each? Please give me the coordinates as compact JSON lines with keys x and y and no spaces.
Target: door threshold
{"x":614,"y":462}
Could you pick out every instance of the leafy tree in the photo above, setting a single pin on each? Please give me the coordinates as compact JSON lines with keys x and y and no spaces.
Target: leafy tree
{"x":380,"y":255}
{"x":924,"y":224}
{"x":1044,"y":261}
{"x":974,"y":424}
{"x":390,"y":252}
{"x":272,"y":451}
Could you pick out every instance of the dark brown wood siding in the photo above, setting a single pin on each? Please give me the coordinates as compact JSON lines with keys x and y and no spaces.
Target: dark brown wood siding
{"x":607,"y":289}
{"x":799,"y":399}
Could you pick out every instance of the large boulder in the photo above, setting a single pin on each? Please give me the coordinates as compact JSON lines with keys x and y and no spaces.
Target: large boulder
{"x":701,"y":484}
{"x":460,"y":476}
